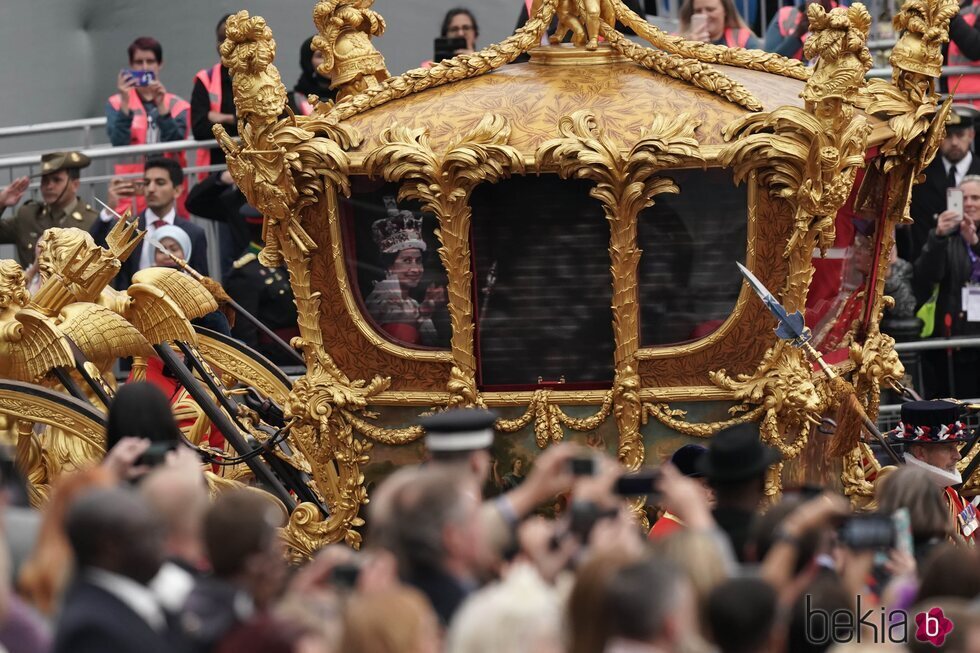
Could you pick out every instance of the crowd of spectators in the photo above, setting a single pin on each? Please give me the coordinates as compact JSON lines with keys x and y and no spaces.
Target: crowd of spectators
{"x":941,"y":244}
{"x":131,"y":556}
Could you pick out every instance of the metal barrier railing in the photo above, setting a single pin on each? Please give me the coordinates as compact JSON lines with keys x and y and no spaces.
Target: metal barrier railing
{"x":104,"y":159}
{"x":23,"y":139}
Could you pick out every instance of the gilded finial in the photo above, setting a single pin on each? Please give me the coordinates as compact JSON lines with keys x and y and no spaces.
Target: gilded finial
{"x":924,"y":25}
{"x":838,"y":40}
{"x":350,"y":60}
{"x":248,"y":52}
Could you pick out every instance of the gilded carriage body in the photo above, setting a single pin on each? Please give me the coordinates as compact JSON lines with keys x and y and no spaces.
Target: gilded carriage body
{"x":575,"y":221}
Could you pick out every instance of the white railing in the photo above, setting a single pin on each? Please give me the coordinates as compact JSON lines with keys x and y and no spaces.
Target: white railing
{"x":104,"y":158}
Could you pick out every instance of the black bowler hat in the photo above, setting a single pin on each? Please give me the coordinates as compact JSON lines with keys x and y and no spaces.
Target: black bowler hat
{"x":737,"y":454}
{"x":930,"y":422}
{"x":687,"y":459}
{"x":459,"y":430}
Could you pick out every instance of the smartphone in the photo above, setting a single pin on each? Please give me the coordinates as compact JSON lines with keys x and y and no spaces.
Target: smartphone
{"x":954,"y":201}
{"x":582,"y":466}
{"x":868,"y":532}
{"x":156,"y":454}
{"x":345,"y":576}
{"x":698,"y":23}
{"x":141,"y":77}
{"x":445,"y":48}
{"x":638,"y":483}
{"x":902,"y":520}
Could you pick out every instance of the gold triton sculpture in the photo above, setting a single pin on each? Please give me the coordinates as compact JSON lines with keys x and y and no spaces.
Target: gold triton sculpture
{"x":637,"y":125}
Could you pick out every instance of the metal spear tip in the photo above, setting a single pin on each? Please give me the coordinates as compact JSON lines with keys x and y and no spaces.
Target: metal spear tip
{"x":757,"y":285}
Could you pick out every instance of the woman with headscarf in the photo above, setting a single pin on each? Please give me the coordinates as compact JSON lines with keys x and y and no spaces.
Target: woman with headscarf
{"x":310,"y":82}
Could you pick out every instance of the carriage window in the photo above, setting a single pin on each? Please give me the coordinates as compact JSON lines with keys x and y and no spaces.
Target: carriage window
{"x":543,"y":290}
{"x":688,"y":281}
{"x":393,"y":265}
{"x":838,"y":293}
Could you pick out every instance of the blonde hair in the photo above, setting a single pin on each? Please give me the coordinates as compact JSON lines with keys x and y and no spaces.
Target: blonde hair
{"x":521,"y":614}
{"x":391,"y":622}
{"x":733,"y":19}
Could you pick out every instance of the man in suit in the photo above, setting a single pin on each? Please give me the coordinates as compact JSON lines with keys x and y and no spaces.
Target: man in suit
{"x":161,"y":184}
{"x":117,"y":542}
{"x":956,"y":161}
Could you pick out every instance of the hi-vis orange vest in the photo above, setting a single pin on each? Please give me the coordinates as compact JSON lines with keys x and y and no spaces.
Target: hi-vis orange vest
{"x":211,"y":78}
{"x":738,"y":37}
{"x":137,"y":136}
{"x":965,"y":84}
{"x":788,"y":18}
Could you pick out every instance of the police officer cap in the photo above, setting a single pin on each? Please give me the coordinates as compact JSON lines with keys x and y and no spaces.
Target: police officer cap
{"x":962,"y":116}
{"x":459,"y":430}
{"x":55,"y":161}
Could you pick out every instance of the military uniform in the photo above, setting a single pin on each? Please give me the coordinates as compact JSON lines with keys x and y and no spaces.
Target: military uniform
{"x":29,"y":221}
{"x":266,"y":294}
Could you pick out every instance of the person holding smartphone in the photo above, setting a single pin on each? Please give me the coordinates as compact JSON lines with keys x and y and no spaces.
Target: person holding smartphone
{"x":949,"y":267}
{"x":717,"y":22}
{"x":143,"y":111}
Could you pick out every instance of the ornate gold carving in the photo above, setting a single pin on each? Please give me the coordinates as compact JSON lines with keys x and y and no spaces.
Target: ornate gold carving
{"x":236,"y":365}
{"x":549,"y":418}
{"x":924,"y":27}
{"x":73,"y":433}
{"x":443,"y":184}
{"x":285,"y":168}
{"x":350,"y":60}
{"x":690,"y":70}
{"x":917,"y":122}
{"x":248,"y":51}
{"x":709,"y":53}
{"x":451,"y":70}
{"x":811,"y":160}
{"x":625,"y":184}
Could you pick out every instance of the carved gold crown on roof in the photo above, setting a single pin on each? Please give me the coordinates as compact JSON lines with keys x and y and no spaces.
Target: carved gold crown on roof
{"x":621,"y":116}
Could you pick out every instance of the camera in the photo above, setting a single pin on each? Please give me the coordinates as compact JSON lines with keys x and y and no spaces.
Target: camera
{"x":141,"y":77}
{"x":445,"y":48}
{"x":582,"y":466}
{"x":156,"y":454}
{"x":638,"y":483}
{"x":868,"y":532}
{"x":345,"y":576}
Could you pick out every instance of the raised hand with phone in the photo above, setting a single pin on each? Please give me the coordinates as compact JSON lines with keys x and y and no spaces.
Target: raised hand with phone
{"x":142,"y":111}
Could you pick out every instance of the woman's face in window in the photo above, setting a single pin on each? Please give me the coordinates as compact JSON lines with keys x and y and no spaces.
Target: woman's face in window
{"x":407,"y":268}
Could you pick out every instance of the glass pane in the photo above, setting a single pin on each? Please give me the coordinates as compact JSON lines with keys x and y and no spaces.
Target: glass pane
{"x":543,"y":289}
{"x":838,"y":292}
{"x":390,"y":249}
{"x":688,"y":281}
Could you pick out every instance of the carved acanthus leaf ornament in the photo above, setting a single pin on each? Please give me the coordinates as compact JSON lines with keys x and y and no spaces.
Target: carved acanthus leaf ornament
{"x":625,"y":183}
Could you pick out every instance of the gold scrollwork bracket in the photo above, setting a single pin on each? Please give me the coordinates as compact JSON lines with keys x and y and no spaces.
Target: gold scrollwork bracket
{"x":625,"y":183}
{"x":443,"y":184}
